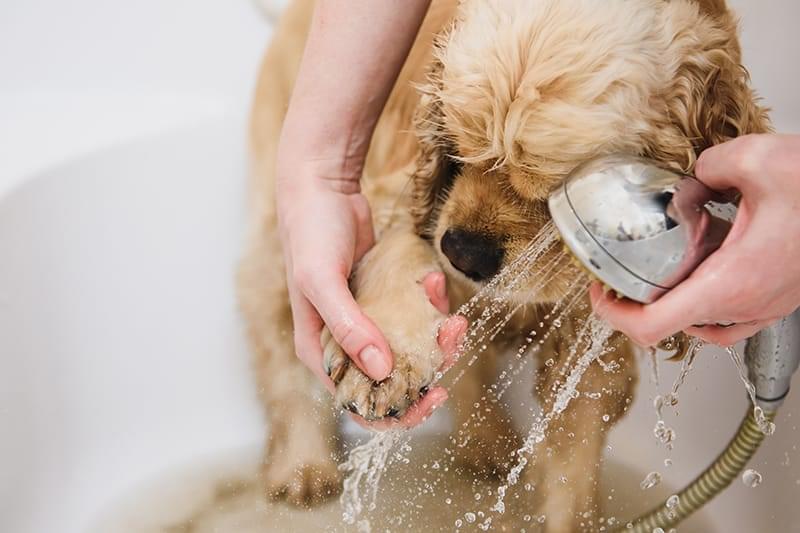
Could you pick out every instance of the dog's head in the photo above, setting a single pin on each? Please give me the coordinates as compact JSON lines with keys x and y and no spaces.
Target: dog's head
{"x":521,"y":92}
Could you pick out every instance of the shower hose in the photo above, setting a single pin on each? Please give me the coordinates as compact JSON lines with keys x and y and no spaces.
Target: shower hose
{"x":725,"y":468}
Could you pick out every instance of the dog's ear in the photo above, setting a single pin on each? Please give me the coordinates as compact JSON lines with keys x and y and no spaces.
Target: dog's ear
{"x":436,"y":166}
{"x":710,"y":100}
{"x":713,"y":7}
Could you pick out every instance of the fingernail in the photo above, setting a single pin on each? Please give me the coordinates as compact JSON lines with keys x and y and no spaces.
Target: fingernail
{"x":374,"y":363}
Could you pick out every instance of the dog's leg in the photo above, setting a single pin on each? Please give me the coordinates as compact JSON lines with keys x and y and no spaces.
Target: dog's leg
{"x":484,"y":435}
{"x":299,"y":460}
{"x":566,"y":474}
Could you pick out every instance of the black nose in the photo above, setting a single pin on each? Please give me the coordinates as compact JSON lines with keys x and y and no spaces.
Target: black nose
{"x":477,"y":256}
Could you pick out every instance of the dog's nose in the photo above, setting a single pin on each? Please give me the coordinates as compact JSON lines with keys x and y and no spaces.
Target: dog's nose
{"x":477,"y":256}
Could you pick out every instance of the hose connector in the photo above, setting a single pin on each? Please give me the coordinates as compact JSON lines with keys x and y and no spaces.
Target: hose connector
{"x":772,"y":356}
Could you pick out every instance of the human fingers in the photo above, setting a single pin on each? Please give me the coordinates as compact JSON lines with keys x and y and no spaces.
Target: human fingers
{"x":415,"y":415}
{"x":357,"y":335}
{"x":450,"y":337}
{"x":307,"y":326}
{"x":728,"y":335}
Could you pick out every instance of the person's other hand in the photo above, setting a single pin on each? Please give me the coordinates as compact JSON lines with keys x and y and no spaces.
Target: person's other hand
{"x":753,"y":279}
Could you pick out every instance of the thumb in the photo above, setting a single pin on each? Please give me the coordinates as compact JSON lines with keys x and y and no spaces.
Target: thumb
{"x":365,"y":233}
{"x":734,"y":164}
{"x":358,"y":336}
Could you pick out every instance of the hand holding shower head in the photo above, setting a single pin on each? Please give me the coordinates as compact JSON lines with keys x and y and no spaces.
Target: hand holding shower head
{"x":642,"y":229}
{"x":638,"y":227}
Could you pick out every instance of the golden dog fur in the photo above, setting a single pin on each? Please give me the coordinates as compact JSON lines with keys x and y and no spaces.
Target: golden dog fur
{"x":496,"y":103}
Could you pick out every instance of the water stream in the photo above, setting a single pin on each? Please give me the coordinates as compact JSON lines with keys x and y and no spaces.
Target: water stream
{"x":488,"y":312}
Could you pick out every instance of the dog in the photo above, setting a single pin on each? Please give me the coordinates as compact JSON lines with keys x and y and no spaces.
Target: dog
{"x":497,"y":102}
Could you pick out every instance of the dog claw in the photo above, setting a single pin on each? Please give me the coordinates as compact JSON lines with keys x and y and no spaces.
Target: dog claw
{"x":337,"y":373}
{"x":334,"y":361}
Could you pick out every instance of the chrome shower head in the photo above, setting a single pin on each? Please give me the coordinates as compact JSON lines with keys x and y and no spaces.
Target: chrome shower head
{"x":638,"y":227}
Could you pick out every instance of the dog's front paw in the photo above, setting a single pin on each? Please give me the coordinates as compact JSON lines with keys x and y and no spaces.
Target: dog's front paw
{"x":408,"y":382}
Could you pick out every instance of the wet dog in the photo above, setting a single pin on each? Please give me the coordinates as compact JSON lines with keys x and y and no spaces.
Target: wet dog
{"x":497,"y":102}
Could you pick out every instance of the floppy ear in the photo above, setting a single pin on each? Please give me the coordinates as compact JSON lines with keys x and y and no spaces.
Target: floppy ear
{"x":710,"y":100}
{"x":713,"y":7}
{"x":436,"y":168}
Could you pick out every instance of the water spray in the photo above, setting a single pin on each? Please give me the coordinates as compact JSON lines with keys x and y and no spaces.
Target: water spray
{"x":641,"y":229}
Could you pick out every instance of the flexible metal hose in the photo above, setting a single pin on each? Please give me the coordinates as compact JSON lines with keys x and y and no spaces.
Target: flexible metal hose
{"x":707,"y":485}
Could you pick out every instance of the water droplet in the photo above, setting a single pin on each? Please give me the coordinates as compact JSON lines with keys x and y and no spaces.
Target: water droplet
{"x":766,"y":426}
{"x":448,"y":501}
{"x":668,"y":462}
{"x":751,"y":478}
{"x":663,"y":433}
{"x":557,"y":322}
{"x":658,"y":403}
{"x":469,"y":517}
{"x":606,"y":418}
{"x":673,"y":502}
{"x":651,"y":480}
{"x":477,"y":496}
{"x":527,"y":518}
{"x":459,"y":523}
{"x":658,"y":530}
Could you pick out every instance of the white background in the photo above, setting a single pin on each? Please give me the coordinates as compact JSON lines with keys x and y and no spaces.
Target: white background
{"x":84,"y":75}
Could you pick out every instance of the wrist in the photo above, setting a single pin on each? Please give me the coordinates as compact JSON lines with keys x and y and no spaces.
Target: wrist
{"x":301,"y":165}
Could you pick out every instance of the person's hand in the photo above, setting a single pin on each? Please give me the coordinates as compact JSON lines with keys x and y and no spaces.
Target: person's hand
{"x":753,"y":279}
{"x":325,"y":227}
{"x":449,"y":337}
{"x":324,"y":231}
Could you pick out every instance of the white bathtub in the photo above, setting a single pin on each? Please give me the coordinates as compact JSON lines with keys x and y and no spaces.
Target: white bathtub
{"x":121,"y":355}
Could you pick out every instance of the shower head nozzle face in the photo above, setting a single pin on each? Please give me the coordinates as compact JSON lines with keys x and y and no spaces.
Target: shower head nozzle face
{"x":638,"y":227}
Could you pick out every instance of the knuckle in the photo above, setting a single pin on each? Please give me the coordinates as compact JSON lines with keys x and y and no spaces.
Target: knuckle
{"x":749,"y":156}
{"x":342,"y":331}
